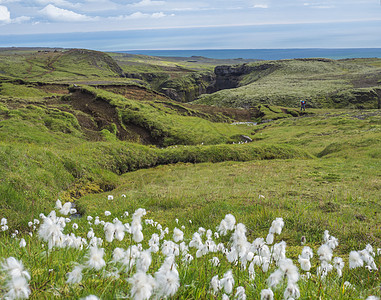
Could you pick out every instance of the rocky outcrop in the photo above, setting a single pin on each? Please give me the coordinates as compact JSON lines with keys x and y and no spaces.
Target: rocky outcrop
{"x":228,"y":77}
{"x":188,"y":88}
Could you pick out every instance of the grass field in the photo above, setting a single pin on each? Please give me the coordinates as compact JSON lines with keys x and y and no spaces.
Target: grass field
{"x":323,"y":83}
{"x":115,"y":146}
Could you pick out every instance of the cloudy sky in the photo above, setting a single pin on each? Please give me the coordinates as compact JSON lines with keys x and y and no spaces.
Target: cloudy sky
{"x":194,"y":24}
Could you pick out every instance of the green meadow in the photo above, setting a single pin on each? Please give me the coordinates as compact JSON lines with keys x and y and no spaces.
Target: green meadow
{"x":74,"y":128}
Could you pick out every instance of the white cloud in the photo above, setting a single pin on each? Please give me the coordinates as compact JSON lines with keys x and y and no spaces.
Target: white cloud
{"x":145,"y":3}
{"x":59,"y":14}
{"x":261,"y":6}
{"x":140,"y":15}
{"x":318,"y":5}
{"x":5,"y":15}
{"x":8,"y":1}
{"x":61,"y":3}
{"x":21,"y":19}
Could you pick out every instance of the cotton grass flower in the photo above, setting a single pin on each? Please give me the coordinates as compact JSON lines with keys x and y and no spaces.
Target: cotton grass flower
{"x":275,"y":278}
{"x":17,"y":279}
{"x":167,"y":278}
{"x":142,"y":286}
{"x":227,"y":282}
{"x":51,"y":230}
{"x":226,"y":224}
{"x":90,"y":297}
{"x":144,"y":261}
{"x":215,"y":261}
{"x":325,"y":253}
{"x":240,"y":293}
{"x":215,"y":284}
{"x":178,"y":235}
{"x":277,"y":226}
{"x":267,"y":294}
{"x":118,"y":254}
{"x":355,"y":260}
{"x":22,"y":243}
{"x":17,"y":288}
{"x":95,"y":258}
{"x":58,"y":204}
{"x":75,"y":276}
{"x":136,"y":226}
{"x":65,"y":210}
{"x":291,"y":291}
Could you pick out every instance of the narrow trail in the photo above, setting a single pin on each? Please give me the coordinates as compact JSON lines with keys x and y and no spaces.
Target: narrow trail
{"x":50,"y":60}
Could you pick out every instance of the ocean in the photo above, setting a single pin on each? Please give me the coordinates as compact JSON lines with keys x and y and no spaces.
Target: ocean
{"x":267,"y":54}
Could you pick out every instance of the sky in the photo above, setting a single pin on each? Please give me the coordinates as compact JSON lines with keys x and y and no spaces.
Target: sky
{"x":116,"y":25}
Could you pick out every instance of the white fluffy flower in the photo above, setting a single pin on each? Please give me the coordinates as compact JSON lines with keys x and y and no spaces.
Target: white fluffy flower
{"x":338,"y":263}
{"x":58,"y":204}
{"x":267,"y":294}
{"x":167,"y":278}
{"x":144,"y":261}
{"x":178,"y":235}
{"x":215,"y":261}
{"x":95,"y":258}
{"x":275,"y":278}
{"x":17,"y":279}
{"x":215,"y":284}
{"x":75,"y":276}
{"x":305,"y":263}
{"x":325,"y":253}
{"x":355,"y":260}
{"x":90,"y":297}
{"x":65,"y":210}
{"x":240,"y":293}
{"x":226,"y":224}
{"x":14,"y":268}
{"x":22,"y":243}
{"x":51,"y":230}
{"x":142,"y":286}
{"x":17,"y":288}
{"x":227,"y":282}
{"x":118,"y":254}
{"x":270,"y":239}
{"x":292,"y":291}
{"x":277,"y":226}
{"x":290,"y":270}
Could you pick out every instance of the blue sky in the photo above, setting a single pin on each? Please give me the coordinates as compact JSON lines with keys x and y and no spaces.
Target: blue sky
{"x":196,"y":24}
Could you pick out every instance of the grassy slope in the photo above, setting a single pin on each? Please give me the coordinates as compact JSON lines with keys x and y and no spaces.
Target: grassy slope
{"x":320,"y":171}
{"x":323,"y":83}
{"x":45,"y":151}
{"x":338,"y":191}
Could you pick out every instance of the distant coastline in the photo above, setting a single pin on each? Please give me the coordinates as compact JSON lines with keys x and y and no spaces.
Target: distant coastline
{"x":266,"y":54}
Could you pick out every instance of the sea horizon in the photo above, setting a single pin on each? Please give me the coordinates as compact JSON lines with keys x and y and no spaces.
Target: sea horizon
{"x":265,"y":54}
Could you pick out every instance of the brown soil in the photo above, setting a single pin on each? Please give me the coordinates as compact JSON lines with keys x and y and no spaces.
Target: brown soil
{"x":94,"y":115}
{"x":61,"y":89}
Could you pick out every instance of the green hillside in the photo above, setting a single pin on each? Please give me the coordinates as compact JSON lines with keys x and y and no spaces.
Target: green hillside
{"x":102,"y":132}
{"x":323,"y":83}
